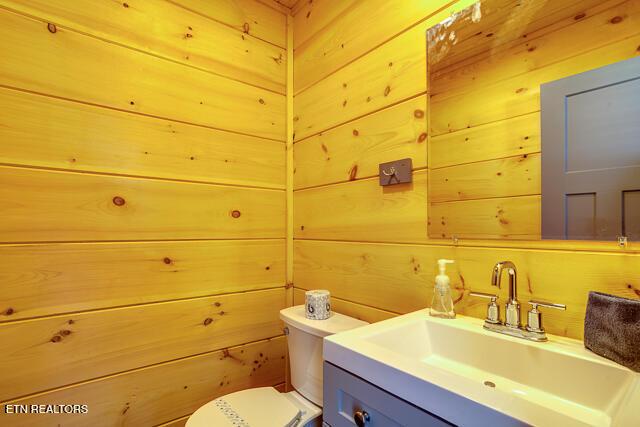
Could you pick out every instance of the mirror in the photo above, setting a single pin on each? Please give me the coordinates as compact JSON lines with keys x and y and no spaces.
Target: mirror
{"x":534,"y":121}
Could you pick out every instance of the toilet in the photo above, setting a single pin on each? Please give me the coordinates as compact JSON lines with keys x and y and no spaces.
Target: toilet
{"x":265,"y":406}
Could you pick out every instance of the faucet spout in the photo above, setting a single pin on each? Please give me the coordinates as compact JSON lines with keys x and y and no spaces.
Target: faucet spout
{"x":496,"y":278}
{"x":513,"y":307}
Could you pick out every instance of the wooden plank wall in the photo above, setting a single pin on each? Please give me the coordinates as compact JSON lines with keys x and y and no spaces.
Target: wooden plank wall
{"x":142,"y":231}
{"x":360,"y":99}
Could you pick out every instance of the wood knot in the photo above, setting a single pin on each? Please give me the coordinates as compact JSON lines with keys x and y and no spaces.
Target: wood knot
{"x":118,"y":201}
{"x":355,"y":132}
{"x":344,"y":103}
{"x":217,"y":304}
{"x":579,"y":16}
{"x":8,"y":312}
{"x":52,"y":28}
{"x":235,"y":213}
{"x":245,"y":27}
{"x":616,"y":20}
{"x":489,"y":35}
{"x":387,"y":90}
{"x":418,"y":114}
{"x":56,"y":338}
{"x":261,"y":101}
{"x":125,"y":5}
{"x":531,"y":49}
{"x":207,"y":321}
{"x":166,"y":260}
{"x":422,"y":137}
{"x":353,"y":173}
{"x":65,"y":332}
{"x":267,"y":268}
{"x":521,"y":90}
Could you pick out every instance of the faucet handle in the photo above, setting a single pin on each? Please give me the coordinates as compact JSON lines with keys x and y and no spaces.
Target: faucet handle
{"x":534,"y":316}
{"x":493,"y":311}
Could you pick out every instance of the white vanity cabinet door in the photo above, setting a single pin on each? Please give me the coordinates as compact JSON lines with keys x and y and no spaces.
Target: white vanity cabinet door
{"x":345,"y":394}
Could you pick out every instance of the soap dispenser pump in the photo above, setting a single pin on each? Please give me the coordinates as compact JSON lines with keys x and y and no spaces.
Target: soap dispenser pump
{"x":442,"y":303}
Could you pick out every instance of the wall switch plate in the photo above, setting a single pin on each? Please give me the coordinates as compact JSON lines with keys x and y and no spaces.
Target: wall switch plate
{"x":396,"y":172}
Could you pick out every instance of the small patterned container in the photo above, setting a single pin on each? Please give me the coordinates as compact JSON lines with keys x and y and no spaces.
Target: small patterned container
{"x":318,"y":304}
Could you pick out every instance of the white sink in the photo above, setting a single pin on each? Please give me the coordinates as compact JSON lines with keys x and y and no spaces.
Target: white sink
{"x":457,"y":370}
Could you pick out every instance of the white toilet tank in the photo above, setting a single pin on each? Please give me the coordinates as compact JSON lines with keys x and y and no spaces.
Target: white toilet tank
{"x":305,"y":347}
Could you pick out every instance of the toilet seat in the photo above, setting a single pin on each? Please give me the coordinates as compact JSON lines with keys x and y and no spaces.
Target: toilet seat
{"x":255,"y":407}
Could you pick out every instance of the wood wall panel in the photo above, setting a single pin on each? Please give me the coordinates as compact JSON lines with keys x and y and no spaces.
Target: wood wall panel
{"x":249,"y":16}
{"x":53,"y":133}
{"x":363,"y":210}
{"x":400,"y":277}
{"x":46,"y":279}
{"x":348,"y":308}
{"x":71,"y":65}
{"x":286,"y":3}
{"x":313,"y":16}
{"x":347,"y":47}
{"x":392,"y":73}
{"x":363,"y":26}
{"x":164,"y":392}
{"x":356,"y":149}
{"x":63,"y":206}
{"x":54,"y":351}
{"x":146,"y":160}
{"x":170,"y":31}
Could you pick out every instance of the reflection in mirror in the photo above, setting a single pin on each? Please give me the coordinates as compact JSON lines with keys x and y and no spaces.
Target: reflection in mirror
{"x":535,"y":121}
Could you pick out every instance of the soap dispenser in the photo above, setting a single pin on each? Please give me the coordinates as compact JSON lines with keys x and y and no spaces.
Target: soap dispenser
{"x":442,"y":303}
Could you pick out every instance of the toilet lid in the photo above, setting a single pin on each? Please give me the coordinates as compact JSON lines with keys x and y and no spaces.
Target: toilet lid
{"x":255,"y":407}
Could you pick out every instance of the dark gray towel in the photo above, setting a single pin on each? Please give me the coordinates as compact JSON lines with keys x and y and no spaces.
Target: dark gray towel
{"x":612,"y":328}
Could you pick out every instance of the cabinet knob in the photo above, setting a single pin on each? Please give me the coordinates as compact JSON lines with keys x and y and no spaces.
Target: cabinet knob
{"x":361,"y":418}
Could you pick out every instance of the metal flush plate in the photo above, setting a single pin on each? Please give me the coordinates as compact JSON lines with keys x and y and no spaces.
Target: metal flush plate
{"x":396,"y":172}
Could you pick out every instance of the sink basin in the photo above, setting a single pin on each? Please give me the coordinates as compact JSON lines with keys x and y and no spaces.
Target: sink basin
{"x":470,"y":376}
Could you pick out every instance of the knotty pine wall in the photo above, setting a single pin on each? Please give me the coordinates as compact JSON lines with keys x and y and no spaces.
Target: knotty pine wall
{"x":143,"y":205}
{"x":360,"y":99}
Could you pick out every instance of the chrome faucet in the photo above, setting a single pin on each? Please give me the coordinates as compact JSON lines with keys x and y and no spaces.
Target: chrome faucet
{"x":513,"y":306}
{"x":534,"y":330}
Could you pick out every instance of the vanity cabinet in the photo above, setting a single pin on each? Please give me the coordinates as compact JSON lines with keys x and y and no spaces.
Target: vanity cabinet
{"x":351,"y":401}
